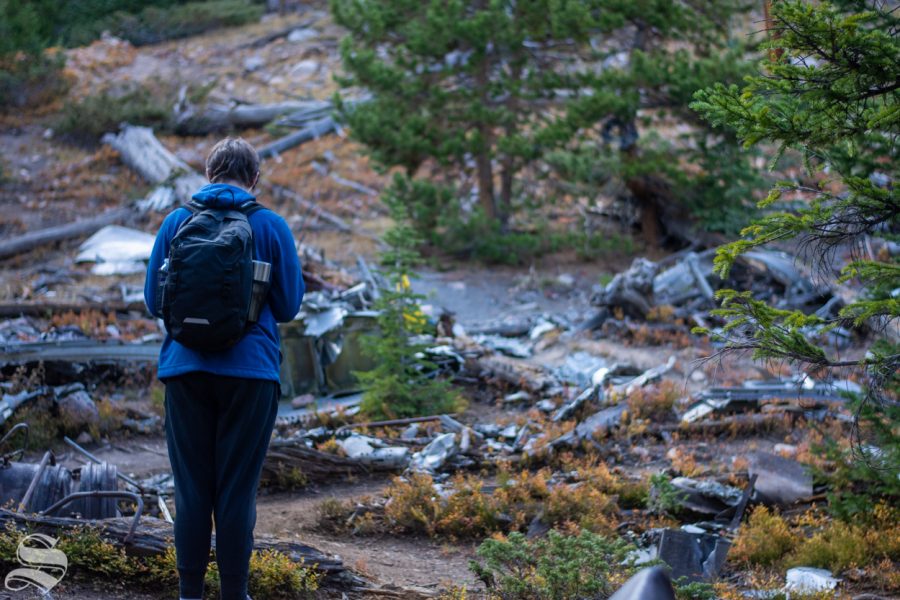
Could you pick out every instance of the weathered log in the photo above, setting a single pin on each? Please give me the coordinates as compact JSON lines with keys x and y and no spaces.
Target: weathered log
{"x":195,"y":120}
{"x":267,"y":39}
{"x":154,"y":536}
{"x":43,"y":309}
{"x":314,"y":130}
{"x":284,"y":456}
{"x":34,"y":239}
{"x":141,"y":151}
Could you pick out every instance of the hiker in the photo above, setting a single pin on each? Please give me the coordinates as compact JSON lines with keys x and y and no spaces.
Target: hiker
{"x":222,"y":272}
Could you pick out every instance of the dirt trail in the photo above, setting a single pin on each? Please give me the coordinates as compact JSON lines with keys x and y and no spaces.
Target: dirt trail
{"x":402,"y":561}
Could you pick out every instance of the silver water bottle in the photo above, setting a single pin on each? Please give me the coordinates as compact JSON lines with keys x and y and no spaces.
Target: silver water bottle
{"x":262,"y":276}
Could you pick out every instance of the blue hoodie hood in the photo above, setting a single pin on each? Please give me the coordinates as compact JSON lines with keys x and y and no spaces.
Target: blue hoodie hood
{"x":222,"y":195}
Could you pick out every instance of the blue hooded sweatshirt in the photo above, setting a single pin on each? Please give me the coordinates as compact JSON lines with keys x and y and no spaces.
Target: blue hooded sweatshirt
{"x":257,"y":355}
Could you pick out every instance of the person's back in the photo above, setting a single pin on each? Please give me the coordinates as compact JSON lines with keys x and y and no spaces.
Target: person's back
{"x":221,"y":404}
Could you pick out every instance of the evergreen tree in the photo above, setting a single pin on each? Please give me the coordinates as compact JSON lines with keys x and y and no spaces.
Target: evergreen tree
{"x":474,"y":95}
{"x":832,"y":93}
{"x":404,"y":383}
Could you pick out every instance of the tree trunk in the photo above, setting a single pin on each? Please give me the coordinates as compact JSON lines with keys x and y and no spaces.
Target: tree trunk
{"x":143,"y":153}
{"x":33,"y":239}
{"x":483,"y":155}
{"x":154,"y":536}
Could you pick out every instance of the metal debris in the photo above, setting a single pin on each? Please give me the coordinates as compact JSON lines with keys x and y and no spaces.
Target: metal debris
{"x":779,"y":480}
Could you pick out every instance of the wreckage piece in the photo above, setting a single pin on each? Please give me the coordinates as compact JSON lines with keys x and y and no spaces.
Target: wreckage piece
{"x":45,"y":483}
{"x":779,"y":480}
{"x":373,"y":453}
{"x":631,"y":290}
{"x":509,"y":371}
{"x":117,"y":250}
{"x":706,"y":498}
{"x":314,"y":130}
{"x":809,"y":580}
{"x":648,"y":376}
{"x":697,"y":556}
{"x":601,"y":423}
{"x":753,"y":393}
{"x":201,"y":120}
{"x":433,"y":456}
{"x":10,"y":402}
{"x":82,"y":227}
{"x":153,"y":537}
{"x":738,"y":512}
{"x":101,"y":473}
{"x":143,"y":153}
{"x":652,"y":583}
{"x":40,"y":487}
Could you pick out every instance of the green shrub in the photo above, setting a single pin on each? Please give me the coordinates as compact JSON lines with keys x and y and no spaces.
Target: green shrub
{"x":764,"y":539}
{"x":29,"y":76}
{"x":156,"y":24}
{"x":556,"y":567}
{"x":664,"y":498}
{"x":86,"y":120}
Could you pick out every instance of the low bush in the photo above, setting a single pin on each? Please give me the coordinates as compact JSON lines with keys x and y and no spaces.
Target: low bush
{"x":815,"y":540}
{"x":764,"y":539}
{"x":155,"y":24}
{"x":555,"y":567}
{"x":273,"y":575}
{"x":469,"y":508}
{"x":84,"y":121}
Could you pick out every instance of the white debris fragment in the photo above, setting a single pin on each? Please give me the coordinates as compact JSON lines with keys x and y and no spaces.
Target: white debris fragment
{"x":435,"y":454}
{"x":117,"y":250}
{"x":808,"y":580}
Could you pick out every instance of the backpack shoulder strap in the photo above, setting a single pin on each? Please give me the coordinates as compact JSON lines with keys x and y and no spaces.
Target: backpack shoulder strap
{"x":248,"y":208}
{"x":194,"y":206}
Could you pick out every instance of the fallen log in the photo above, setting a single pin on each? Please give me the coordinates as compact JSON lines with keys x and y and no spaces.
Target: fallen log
{"x":143,"y":153}
{"x":78,"y":351}
{"x":314,"y":130}
{"x":43,"y":309}
{"x":290,"y":459}
{"x":153,"y":537}
{"x":41,"y":237}
{"x":754,"y":422}
{"x":194,"y":120}
{"x":267,"y":39}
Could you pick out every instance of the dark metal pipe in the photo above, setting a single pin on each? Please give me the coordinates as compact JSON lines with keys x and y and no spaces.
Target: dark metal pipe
{"x":26,"y":499}
{"x":103,"y":494}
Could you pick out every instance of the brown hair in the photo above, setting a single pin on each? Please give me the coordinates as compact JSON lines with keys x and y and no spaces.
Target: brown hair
{"x":234,"y":159}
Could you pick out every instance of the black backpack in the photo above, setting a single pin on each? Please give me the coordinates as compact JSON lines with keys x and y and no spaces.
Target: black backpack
{"x":205,"y":288}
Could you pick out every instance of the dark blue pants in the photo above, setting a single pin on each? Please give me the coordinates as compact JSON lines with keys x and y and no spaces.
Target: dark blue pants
{"x":218,"y":430}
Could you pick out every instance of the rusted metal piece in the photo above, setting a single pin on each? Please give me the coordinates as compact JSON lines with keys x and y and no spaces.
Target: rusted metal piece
{"x":20,"y":450}
{"x":26,"y":499}
{"x":103,"y":494}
